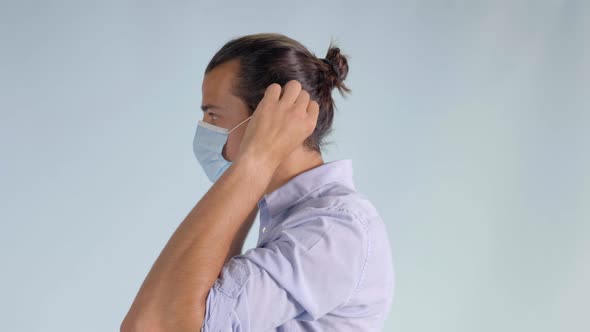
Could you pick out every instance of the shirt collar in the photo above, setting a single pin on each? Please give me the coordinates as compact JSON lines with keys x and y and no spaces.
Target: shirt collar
{"x":299,"y":187}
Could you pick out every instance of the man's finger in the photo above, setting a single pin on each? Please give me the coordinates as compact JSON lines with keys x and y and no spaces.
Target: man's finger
{"x":273,"y":91}
{"x":313,"y":111}
{"x":302,"y":101}
{"x":291,"y":91}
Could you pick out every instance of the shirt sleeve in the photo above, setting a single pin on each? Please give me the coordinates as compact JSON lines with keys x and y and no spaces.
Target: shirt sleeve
{"x":304,"y":272}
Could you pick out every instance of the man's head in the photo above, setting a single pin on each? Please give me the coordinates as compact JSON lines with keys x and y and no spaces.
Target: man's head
{"x":239,"y":73}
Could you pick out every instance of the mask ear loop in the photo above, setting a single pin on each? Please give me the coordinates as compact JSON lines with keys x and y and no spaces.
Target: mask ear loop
{"x":239,"y":124}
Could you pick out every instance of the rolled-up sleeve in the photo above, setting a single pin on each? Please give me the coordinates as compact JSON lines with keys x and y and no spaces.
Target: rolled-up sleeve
{"x":303,"y":273}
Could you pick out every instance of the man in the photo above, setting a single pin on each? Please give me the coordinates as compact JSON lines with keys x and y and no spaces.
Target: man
{"x":322,"y":259}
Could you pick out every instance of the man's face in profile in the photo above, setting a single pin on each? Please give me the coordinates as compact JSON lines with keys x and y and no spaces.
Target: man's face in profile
{"x":223,"y":109}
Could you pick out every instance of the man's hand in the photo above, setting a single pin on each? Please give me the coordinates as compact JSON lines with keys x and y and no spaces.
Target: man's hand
{"x":280,"y":123}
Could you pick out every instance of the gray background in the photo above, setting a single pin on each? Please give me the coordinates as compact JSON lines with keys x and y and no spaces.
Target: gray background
{"x":468,"y":128}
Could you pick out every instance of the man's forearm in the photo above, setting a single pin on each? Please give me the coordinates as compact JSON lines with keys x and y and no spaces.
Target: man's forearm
{"x":174,"y":291}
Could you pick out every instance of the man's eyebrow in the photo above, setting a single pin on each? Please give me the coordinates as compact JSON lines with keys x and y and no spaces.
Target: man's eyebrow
{"x":205,"y":107}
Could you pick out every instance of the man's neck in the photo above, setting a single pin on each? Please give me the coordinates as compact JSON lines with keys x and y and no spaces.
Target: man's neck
{"x":299,"y":161}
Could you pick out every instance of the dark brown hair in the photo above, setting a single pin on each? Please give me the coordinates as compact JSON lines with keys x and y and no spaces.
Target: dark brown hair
{"x":267,"y":58}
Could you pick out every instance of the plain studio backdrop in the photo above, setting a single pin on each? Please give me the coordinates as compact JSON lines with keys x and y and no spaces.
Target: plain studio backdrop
{"x":468,"y":127}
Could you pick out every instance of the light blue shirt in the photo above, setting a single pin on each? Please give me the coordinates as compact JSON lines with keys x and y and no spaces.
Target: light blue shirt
{"x":323,"y":262}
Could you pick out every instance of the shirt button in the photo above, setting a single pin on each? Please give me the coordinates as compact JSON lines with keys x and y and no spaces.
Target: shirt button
{"x":263,"y":229}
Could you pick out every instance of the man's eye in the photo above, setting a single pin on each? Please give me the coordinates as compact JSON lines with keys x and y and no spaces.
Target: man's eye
{"x":213,"y":115}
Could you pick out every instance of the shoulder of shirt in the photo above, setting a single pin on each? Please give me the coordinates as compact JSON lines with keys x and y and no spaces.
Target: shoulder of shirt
{"x":334,"y":197}
{"x":334,"y":201}
{"x":348,"y":210}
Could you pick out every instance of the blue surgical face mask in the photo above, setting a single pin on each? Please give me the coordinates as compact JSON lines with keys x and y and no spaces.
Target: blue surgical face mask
{"x":208,"y":147}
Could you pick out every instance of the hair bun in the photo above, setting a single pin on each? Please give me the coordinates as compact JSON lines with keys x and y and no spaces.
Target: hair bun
{"x":334,"y":66}
{"x":339,"y":64}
